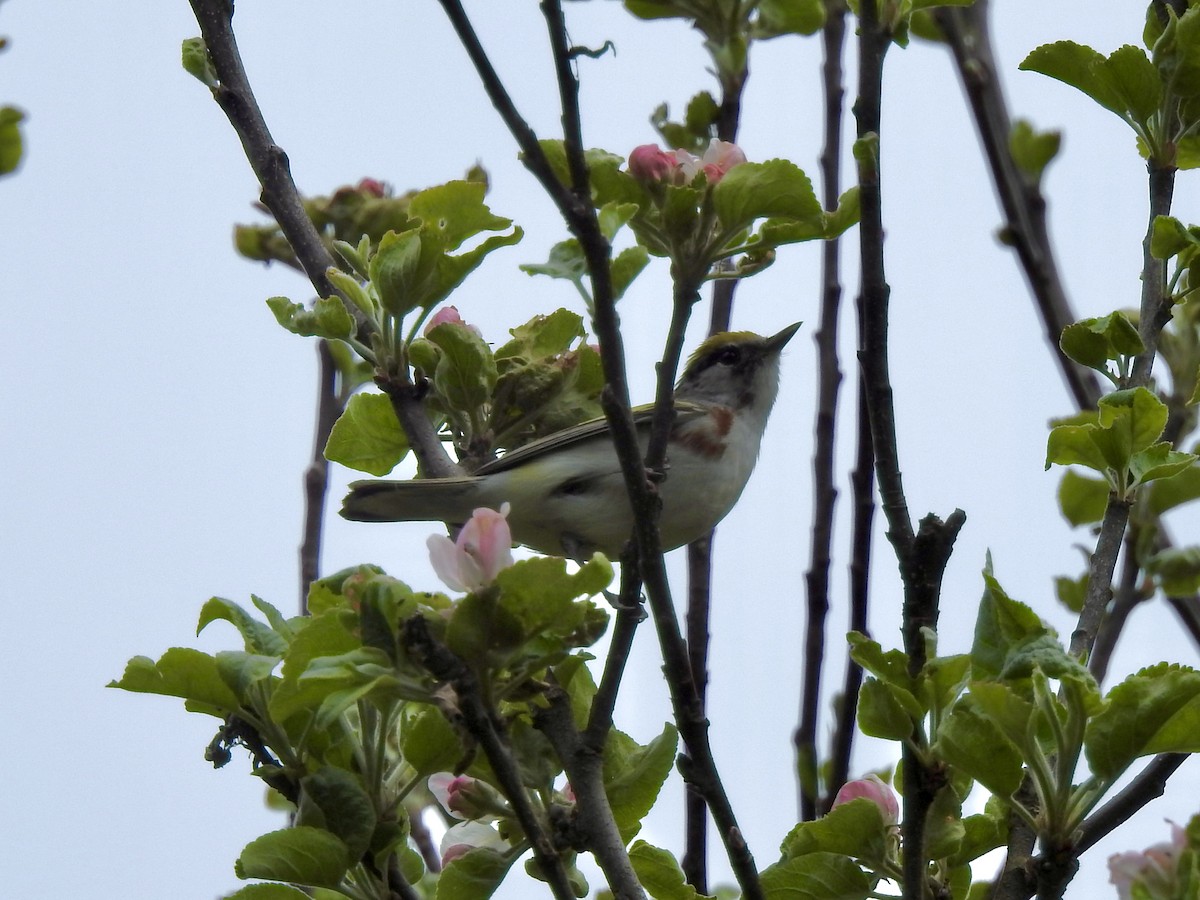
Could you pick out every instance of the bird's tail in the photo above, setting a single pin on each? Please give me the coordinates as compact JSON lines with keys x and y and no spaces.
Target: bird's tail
{"x":449,"y":500}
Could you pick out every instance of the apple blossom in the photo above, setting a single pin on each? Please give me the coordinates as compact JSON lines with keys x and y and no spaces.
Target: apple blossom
{"x":1153,"y":870}
{"x":718,"y":159}
{"x":482,"y":550}
{"x":877,"y":791}
{"x":463,"y":837}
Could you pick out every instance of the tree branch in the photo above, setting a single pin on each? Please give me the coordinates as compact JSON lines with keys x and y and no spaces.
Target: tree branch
{"x":829,"y":379}
{"x":1025,"y":230}
{"x":593,"y":817}
{"x":316,"y":476}
{"x":485,"y":725}
{"x":280,"y":195}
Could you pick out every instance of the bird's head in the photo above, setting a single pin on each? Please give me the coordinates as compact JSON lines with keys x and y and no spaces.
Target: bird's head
{"x":737,"y":369}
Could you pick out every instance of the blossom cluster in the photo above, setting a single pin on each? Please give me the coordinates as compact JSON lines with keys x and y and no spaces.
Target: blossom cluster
{"x":649,"y":163}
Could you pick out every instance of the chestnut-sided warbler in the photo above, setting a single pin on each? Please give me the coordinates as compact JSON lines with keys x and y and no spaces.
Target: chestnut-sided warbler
{"x":566,"y":490}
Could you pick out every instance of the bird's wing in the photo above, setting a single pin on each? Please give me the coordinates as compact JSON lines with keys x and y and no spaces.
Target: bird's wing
{"x":585,"y":431}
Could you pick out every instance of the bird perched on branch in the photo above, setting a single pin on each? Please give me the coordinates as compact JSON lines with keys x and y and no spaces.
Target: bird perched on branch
{"x":566,"y":490}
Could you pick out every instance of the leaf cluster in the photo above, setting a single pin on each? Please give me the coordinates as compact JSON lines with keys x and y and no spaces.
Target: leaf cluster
{"x":1156,"y":93}
{"x":342,"y":715}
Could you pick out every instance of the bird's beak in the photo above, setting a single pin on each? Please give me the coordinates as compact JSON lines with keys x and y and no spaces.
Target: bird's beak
{"x":776,"y":341}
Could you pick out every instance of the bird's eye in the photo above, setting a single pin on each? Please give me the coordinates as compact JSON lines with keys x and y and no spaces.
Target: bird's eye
{"x":729,"y":356}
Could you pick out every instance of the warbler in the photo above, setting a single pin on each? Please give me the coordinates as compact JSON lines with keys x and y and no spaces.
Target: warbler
{"x":566,"y":490}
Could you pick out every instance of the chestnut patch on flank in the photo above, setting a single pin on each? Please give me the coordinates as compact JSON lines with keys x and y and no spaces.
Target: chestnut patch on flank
{"x":706,"y":436}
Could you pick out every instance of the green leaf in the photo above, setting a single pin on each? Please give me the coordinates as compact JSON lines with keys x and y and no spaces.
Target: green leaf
{"x":198,"y":64}
{"x":625,"y":267}
{"x":328,"y":318}
{"x":886,"y":711}
{"x":333,"y":800}
{"x":1168,"y":236}
{"x":543,"y":336}
{"x":1082,"y":499}
{"x":971,"y":741}
{"x":855,"y":828}
{"x":473,"y":876}
{"x":1156,"y":710}
{"x":455,"y":211}
{"x":566,"y":261}
{"x":301,"y":855}
{"x":634,"y":774}
{"x":1177,"y":570}
{"x":329,"y":633}
{"x":1032,"y":150}
{"x":944,"y":830}
{"x":778,"y":17}
{"x":981,"y":834}
{"x":11,"y":146}
{"x":367,"y":436}
{"x":1093,"y":342}
{"x":1001,"y":625}
{"x":1071,"y":591}
{"x":241,"y":671}
{"x":816,"y":876}
{"x":1082,"y":68}
{"x":1136,"y":80}
{"x":659,"y":873}
{"x":773,"y":189}
{"x":181,"y":672}
{"x":466,"y":370}
{"x":890,"y":666}
{"x":259,"y":638}
{"x":402,"y":271}
{"x":1158,"y":462}
{"x":429,"y":743}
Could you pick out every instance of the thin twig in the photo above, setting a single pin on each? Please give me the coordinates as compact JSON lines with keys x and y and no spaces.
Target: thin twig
{"x":829,"y":379}
{"x":592,"y":823}
{"x":628,"y":616}
{"x":581,"y":221}
{"x":862,"y":492}
{"x":1125,"y":598}
{"x":1148,"y":785}
{"x":486,"y":726}
{"x":316,"y":476}
{"x":279,"y":194}
{"x":1020,"y":196}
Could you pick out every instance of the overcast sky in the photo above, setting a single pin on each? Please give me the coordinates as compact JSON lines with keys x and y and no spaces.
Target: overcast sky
{"x":157,"y":421}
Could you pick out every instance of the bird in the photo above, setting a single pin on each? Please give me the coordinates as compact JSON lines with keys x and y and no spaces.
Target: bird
{"x":566,"y":491}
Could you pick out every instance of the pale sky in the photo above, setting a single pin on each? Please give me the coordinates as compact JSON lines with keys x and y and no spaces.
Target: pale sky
{"x":158,"y":421}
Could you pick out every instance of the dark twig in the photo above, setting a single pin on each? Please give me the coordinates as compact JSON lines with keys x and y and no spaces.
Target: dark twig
{"x":695,"y":813}
{"x":484,"y":724}
{"x":699,"y":553}
{"x":829,"y":379}
{"x":1125,"y":598}
{"x":574,"y":203}
{"x":1101,"y":566}
{"x":628,"y":616}
{"x":862,"y":490}
{"x":1025,"y":229}
{"x":316,"y":476}
{"x":279,"y":194}
{"x":922,"y":555}
{"x":593,"y":824}
{"x":1149,"y":784}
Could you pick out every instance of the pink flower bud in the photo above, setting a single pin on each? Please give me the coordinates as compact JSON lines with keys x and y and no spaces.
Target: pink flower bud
{"x":372,"y":186}
{"x":483,"y":549}
{"x":447,"y":315}
{"x":649,"y":163}
{"x":877,"y":791}
{"x":464,"y":797}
